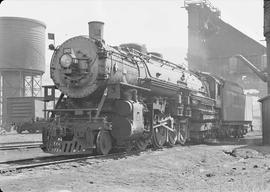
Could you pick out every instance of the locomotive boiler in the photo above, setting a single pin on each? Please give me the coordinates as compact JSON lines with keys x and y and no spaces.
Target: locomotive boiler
{"x":123,"y":97}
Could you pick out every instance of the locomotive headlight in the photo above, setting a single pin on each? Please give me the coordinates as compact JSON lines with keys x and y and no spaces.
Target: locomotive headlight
{"x":66,"y":60}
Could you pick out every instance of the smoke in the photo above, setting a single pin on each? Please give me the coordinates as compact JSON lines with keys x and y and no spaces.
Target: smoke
{"x":98,"y":11}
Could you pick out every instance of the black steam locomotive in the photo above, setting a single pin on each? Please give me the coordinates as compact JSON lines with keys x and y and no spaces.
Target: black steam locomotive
{"x":123,"y":96}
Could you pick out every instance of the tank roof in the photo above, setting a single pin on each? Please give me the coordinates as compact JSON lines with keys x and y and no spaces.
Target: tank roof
{"x":24,"y":19}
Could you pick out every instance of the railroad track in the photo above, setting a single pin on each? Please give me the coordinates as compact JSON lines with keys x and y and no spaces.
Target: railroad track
{"x":16,"y":165}
{"x":22,"y":145}
{"x":14,"y":147}
{"x":20,"y":142}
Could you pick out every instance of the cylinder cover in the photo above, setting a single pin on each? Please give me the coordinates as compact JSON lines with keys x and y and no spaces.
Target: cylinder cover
{"x":122,"y":128}
{"x":123,"y":108}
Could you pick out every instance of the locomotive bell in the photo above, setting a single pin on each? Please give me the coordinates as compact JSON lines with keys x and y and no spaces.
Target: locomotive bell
{"x":96,"y":29}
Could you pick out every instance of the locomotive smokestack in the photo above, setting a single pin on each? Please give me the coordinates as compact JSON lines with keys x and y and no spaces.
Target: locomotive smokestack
{"x":96,"y":29}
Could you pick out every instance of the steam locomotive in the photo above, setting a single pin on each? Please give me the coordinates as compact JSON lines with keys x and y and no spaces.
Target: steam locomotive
{"x":125,"y":97}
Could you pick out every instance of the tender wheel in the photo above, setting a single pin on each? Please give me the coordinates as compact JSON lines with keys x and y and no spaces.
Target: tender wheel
{"x":103,"y":142}
{"x":172,"y":138}
{"x":141,"y":144}
{"x":182,"y":133}
{"x":159,"y":137}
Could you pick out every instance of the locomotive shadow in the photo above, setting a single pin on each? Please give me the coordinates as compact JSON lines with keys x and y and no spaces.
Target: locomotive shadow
{"x":252,"y":139}
{"x":255,"y":144}
{"x":250,"y":148}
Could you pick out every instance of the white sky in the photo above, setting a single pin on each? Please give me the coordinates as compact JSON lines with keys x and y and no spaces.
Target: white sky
{"x":160,"y":24}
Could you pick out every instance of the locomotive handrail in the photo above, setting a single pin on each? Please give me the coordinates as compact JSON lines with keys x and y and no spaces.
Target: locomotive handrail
{"x":138,"y":54}
{"x":165,"y":62}
{"x":131,"y":56}
{"x":81,"y":109}
{"x":134,"y":86}
{"x":131,"y":52}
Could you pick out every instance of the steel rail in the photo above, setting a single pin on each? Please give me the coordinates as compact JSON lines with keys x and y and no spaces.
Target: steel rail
{"x":32,"y":162}
{"x":20,"y":142}
{"x":14,"y":147}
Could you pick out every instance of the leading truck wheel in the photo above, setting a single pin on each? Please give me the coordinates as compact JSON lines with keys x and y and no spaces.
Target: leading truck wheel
{"x":103,"y":142}
{"x":182,"y":133}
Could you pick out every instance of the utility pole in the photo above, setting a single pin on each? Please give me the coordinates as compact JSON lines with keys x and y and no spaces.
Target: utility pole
{"x":266,"y":33}
{"x":266,"y":100}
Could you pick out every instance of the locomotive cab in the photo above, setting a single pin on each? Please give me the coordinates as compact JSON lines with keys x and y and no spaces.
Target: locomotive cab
{"x":215,"y":87}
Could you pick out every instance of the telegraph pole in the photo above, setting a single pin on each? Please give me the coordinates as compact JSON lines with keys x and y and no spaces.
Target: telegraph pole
{"x":266,"y":100}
